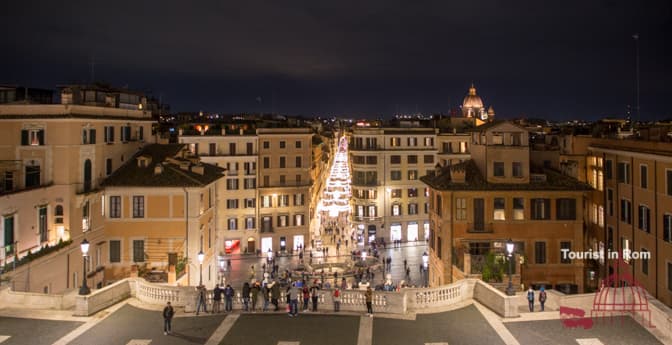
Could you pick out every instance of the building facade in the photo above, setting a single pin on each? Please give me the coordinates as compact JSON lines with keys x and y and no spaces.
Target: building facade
{"x":389,"y":202}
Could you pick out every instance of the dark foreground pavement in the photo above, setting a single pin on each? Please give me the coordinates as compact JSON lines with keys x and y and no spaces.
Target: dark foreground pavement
{"x":32,"y":331}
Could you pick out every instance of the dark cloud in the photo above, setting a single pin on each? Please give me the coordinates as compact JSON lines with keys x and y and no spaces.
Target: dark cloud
{"x":553,"y":59}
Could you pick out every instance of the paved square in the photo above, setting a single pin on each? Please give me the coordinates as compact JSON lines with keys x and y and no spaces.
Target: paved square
{"x":553,"y":332}
{"x":19,"y":331}
{"x":464,"y":326}
{"x":130,"y":323}
{"x":306,"y":329}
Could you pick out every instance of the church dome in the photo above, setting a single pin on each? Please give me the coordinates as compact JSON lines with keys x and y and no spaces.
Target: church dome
{"x":472,"y":100}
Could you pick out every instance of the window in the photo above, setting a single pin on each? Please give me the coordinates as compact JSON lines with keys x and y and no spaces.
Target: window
{"x":138,"y":251}
{"x":645,"y":261}
{"x":298,"y":220}
{"x":266,"y":201}
{"x":282,"y":162}
{"x":115,"y":206}
{"x":32,"y":137}
{"x":395,"y":142}
{"x":541,"y":209}
{"x":499,"y":213}
{"x":610,"y":237}
{"x":644,"y":176}
{"x":644,"y":218}
{"x":396,"y":210}
{"x":518,"y":208}
{"x":250,"y":202}
{"x":298,"y":161}
{"x":8,"y":184}
{"x":412,"y":192}
{"x":85,"y":136}
{"x":250,"y":183}
{"x":395,"y":159}
{"x":565,"y":248}
{"x":283,"y":221}
{"x":282,"y":144}
{"x":412,"y":209}
{"x":669,"y":276}
{"x":125,"y":133}
{"x":267,"y":162}
{"x":608,"y":168}
{"x":461,"y":209}
{"x":266,"y":144}
{"x":610,"y":202}
{"x":426,"y":207}
{"x":539,"y":252}
{"x":249,"y":223}
{"x":395,"y":193}
{"x":232,"y":203}
{"x":42,"y":223}
{"x":498,"y":169}
{"x":298,"y":144}
{"x":108,"y":166}
{"x":412,"y":141}
{"x":109,"y":134}
{"x":115,"y":251}
{"x":283,"y":180}
{"x":669,"y":181}
{"x":32,"y":175}
{"x":232,"y":184}
{"x":600,"y":216}
{"x":565,"y":209}
{"x":86,"y":224}
{"x":283,"y":200}
{"x":250,"y":148}
{"x":412,"y":175}
{"x":625,"y":246}
{"x":141,"y":134}
{"x":517,"y":169}
{"x":233,"y":223}
{"x":626,"y":211}
{"x":428,"y":159}
{"x":623,"y":172}
{"x":667,"y":227}
{"x":412,"y":159}
{"x":395,"y":175}
{"x":58,"y":214}
{"x":138,"y":206}
{"x":298,"y":200}
{"x":371,"y":160}
{"x":429,"y":141}
{"x":9,"y":234}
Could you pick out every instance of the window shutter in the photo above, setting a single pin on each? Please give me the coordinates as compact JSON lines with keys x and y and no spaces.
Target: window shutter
{"x":105,"y":139}
{"x":24,"y":137}
{"x":111,"y":134}
{"x":92,"y":136}
{"x":40,"y":136}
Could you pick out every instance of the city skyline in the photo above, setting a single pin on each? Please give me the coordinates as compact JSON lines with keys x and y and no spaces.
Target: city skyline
{"x":561,"y":62}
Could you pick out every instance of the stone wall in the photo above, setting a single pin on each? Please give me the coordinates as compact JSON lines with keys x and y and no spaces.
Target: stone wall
{"x":13,"y":299}
{"x":495,"y":300}
{"x":103,"y":298}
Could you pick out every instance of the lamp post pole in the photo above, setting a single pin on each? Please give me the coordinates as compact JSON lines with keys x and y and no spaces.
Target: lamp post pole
{"x":84,"y":289}
{"x":509,"y":250}
{"x":200,"y":265}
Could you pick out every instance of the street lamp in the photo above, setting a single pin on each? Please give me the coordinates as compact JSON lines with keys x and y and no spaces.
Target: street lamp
{"x":200,"y":256}
{"x":222,"y":268}
{"x":509,"y":251}
{"x":84,"y":289}
{"x":425,"y":266}
{"x":363,"y":256}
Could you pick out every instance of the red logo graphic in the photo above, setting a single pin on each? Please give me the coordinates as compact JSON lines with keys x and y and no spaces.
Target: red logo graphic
{"x":619,"y":295}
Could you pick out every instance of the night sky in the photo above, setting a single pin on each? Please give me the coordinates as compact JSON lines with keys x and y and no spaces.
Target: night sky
{"x":550,"y":59}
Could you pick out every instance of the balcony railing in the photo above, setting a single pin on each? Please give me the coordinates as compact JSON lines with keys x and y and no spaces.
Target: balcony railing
{"x":479,"y":227}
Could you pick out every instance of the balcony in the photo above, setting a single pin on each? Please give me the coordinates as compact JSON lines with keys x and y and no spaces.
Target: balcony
{"x":480,"y":228}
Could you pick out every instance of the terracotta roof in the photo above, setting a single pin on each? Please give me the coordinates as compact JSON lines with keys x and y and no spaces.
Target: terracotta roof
{"x":169,"y":156}
{"x":475,"y":181}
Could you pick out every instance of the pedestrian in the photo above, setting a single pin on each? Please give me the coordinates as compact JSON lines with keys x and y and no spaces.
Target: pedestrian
{"x":405,"y":263}
{"x":168,"y":313}
{"x":216,"y":299}
{"x":293,"y":300}
{"x":305,"y":291}
{"x":344,"y":284}
{"x":369,"y":301}
{"x":228,"y":297}
{"x":201,"y":299}
{"x":251,"y":272}
{"x":254,"y":292}
{"x":408,"y":272}
{"x":313,"y":295}
{"x":275,"y":294}
{"x":337,"y":299}
{"x":530,"y":298}
{"x":266,"y":295}
{"x":246,"y":296}
{"x":542,"y":297}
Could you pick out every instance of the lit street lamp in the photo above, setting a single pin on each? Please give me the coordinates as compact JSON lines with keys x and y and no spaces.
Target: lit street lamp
{"x":200,"y":256}
{"x":363,"y":256}
{"x":84,"y":289}
{"x":509,"y":251}
{"x":222,"y":268}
